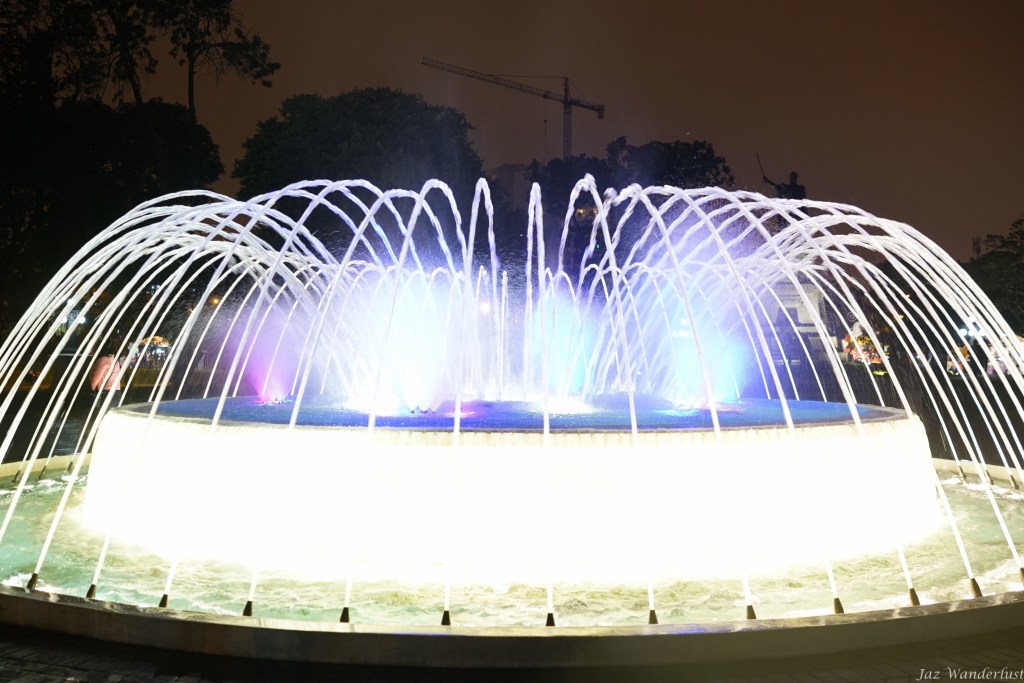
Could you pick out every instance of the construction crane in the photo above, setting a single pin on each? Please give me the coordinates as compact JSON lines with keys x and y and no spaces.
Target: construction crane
{"x":567,"y":102}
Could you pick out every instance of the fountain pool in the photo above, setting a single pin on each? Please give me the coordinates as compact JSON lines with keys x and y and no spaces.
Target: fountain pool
{"x":219,"y":587}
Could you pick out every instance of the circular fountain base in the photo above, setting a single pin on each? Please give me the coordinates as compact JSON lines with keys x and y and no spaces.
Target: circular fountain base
{"x":419,"y":505}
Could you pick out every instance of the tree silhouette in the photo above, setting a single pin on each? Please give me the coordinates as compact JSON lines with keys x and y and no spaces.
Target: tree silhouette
{"x":51,"y":54}
{"x":681,"y":164}
{"x":393,"y":139}
{"x":72,"y":172}
{"x":82,"y":143}
{"x":999,"y":271}
{"x":209,"y":34}
{"x":57,"y":51}
{"x":388,"y":137}
{"x":124,"y":34}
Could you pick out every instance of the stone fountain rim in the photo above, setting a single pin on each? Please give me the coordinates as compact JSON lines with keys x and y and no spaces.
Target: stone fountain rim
{"x":504,"y":647}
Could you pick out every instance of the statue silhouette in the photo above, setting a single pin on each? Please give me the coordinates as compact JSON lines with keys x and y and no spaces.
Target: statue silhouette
{"x":790,"y":190}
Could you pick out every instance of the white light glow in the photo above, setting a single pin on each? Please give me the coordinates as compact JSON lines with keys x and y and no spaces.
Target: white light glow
{"x":498,"y":508}
{"x":568,"y":405}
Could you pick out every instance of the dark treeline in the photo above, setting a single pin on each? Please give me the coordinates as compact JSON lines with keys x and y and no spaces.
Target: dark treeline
{"x":82,"y":142}
{"x":399,"y":140}
{"x":998,"y":269}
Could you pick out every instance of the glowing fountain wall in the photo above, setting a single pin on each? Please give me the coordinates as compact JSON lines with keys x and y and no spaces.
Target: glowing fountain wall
{"x":505,"y":507}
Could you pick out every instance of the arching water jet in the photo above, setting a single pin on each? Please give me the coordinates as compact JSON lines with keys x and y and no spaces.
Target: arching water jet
{"x":411,"y":391}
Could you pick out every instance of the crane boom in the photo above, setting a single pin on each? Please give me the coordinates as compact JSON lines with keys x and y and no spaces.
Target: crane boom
{"x":567,"y":102}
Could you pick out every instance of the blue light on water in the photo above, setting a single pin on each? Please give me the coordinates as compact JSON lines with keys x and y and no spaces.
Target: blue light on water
{"x":607,"y":415}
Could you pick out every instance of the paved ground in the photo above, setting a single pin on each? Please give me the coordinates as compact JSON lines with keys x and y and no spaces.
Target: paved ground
{"x":35,"y":657}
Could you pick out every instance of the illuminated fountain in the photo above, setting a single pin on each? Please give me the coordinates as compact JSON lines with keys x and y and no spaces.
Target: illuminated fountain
{"x":357,"y":392}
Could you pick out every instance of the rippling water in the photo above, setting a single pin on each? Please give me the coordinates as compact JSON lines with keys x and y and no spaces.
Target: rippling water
{"x":133,"y":576}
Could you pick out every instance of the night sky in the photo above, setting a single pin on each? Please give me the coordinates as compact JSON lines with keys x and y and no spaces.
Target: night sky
{"x":910,"y":110}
